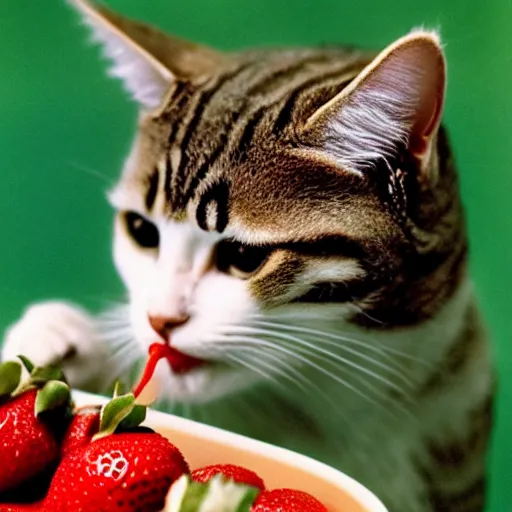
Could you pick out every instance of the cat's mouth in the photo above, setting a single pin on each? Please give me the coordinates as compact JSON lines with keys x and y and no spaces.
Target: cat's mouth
{"x":180,"y":362}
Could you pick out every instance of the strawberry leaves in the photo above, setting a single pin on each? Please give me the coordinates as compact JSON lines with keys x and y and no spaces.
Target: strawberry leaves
{"x":52,"y":395}
{"x":135,"y":418}
{"x":29,"y":366}
{"x":40,"y":375}
{"x":10,"y":375}
{"x":52,"y":389}
{"x":121,"y":412}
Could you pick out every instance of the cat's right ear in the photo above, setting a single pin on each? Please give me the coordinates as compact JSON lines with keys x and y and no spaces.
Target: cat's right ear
{"x":394,"y":104}
{"x":144,"y":58}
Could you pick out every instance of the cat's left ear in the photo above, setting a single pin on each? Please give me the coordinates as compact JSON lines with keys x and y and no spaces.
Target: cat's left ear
{"x":147,"y":60}
{"x":394,"y":104}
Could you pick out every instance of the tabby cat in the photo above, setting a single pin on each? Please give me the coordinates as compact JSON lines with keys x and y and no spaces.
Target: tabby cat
{"x":292,"y":218}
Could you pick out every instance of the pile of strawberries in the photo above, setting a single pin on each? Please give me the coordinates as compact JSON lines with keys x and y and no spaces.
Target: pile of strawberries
{"x":55,"y":458}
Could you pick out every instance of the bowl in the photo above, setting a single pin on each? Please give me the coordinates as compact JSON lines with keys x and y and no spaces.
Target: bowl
{"x":203,"y":445}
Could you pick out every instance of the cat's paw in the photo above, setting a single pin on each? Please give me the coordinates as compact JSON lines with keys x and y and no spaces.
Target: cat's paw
{"x":56,"y":332}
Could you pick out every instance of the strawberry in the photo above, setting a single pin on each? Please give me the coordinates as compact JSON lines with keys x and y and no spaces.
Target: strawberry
{"x":230,"y":471}
{"x":117,"y":472}
{"x":32,"y":417}
{"x":84,"y":426}
{"x":219,"y":494}
{"x":287,"y":500}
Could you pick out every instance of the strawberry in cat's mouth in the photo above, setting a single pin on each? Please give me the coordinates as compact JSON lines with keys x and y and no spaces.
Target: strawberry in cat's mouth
{"x":178,"y":361}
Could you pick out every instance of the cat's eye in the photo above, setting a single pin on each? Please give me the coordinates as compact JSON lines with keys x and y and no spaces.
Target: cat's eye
{"x":240,"y":260}
{"x":144,"y":232}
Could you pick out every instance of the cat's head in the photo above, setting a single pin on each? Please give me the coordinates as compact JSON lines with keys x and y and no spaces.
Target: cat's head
{"x":268,"y":193}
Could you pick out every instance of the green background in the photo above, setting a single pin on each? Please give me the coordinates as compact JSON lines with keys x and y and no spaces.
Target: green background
{"x":65,"y":128}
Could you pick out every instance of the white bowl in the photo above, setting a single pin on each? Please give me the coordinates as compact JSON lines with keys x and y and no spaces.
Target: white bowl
{"x":203,"y":445}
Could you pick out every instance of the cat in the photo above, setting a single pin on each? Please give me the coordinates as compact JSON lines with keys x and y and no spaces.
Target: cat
{"x":292,"y":218}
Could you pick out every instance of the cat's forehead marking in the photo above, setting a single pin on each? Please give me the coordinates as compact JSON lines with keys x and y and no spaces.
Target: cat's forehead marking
{"x":153,"y":181}
{"x":212,"y":211}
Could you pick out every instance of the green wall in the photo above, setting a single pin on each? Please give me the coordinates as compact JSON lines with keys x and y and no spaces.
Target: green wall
{"x":64,"y":129}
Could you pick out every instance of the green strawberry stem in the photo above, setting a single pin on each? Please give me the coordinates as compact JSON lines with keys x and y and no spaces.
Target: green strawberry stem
{"x":49,"y":381}
{"x":121,"y":411}
{"x":53,"y":394}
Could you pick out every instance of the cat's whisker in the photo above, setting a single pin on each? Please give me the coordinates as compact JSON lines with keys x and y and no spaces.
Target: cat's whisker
{"x":117,"y":335}
{"x":396,"y":373}
{"x":326,"y":336}
{"x":335,"y":407}
{"x":123,"y":363}
{"x":251,"y":366}
{"x":374,"y":347}
{"x":318,"y":352}
{"x":92,"y":172}
{"x":306,"y":362}
{"x":308,"y":384}
{"x":296,"y":379}
{"x":119,"y":341}
{"x":374,"y":389}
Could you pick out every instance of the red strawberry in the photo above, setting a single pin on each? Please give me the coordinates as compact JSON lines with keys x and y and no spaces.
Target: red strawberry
{"x":237,"y":473}
{"x":84,"y":426}
{"x":118,"y":473}
{"x":287,"y":500}
{"x":28,"y":429}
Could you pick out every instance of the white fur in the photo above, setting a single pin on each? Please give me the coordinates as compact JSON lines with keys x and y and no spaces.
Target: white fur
{"x":50,"y":330}
{"x":179,"y":281}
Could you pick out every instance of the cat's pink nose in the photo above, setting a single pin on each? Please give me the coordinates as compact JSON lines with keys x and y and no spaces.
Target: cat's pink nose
{"x":163,"y":325}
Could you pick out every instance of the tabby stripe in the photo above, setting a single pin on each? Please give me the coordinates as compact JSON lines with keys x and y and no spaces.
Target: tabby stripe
{"x":254,"y":121}
{"x":284,"y":117}
{"x":349,"y":290}
{"x":178,"y":101}
{"x":247,"y":136}
{"x":217,"y":194}
{"x":471,"y":499}
{"x":250,"y":127}
{"x":192,"y":183}
{"x":201,"y":173}
{"x":178,"y":90}
{"x":245,"y":139}
{"x":153,"y":179}
{"x":204,"y":99}
{"x":458,"y":355}
{"x":168,"y":177}
{"x":268,"y":83}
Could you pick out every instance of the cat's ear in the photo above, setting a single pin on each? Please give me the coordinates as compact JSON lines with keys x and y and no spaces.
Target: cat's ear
{"x":145,"y":59}
{"x":395,"y":103}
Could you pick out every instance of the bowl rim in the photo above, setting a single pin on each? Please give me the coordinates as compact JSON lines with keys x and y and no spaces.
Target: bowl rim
{"x":332,"y":475}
